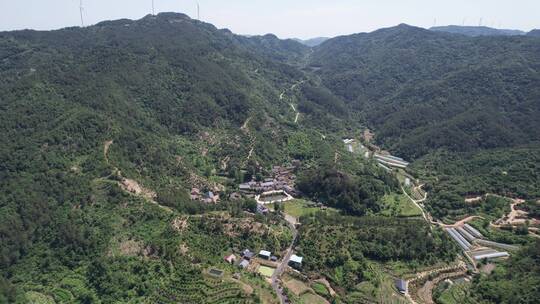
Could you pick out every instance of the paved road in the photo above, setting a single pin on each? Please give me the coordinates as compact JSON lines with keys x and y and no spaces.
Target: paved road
{"x":281,"y":267}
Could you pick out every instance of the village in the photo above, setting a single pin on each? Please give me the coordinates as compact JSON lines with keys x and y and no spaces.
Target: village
{"x":279,"y":186}
{"x":281,"y":268}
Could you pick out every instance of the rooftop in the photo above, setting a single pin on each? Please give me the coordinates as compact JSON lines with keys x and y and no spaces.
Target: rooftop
{"x":264,"y":253}
{"x":296,"y":259}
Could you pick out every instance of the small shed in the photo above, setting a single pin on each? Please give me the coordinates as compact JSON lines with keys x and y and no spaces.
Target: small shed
{"x":247,"y":254}
{"x":401,"y":286}
{"x":265,"y":254}
{"x":243,"y":264}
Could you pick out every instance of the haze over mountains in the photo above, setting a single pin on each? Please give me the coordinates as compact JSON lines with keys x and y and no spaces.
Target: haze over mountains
{"x":170,"y":103}
{"x":313,"y":41}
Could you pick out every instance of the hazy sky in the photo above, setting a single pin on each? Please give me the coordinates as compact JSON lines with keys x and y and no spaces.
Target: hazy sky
{"x":292,"y":18}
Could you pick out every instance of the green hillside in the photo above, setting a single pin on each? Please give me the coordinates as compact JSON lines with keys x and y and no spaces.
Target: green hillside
{"x":160,"y":104}
{"x":422,"y":90}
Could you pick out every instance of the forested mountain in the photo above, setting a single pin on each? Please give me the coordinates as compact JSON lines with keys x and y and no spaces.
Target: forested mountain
{"x":154,"y":107}
{"x":474,"y":31}
{"x":423,"y":90}
{"x":157,"y":106}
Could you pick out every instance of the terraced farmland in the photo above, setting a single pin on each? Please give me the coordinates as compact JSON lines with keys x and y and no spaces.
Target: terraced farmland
{"x":202,"y":290}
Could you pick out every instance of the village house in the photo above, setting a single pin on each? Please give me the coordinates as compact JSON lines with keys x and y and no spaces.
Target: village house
{"x":195,"y":194}
{"x":247,"y":254}
{"x":210,"y":197}
{"x":243,"y":264}
{"x":282,"y":179}
{"x":295,"y":261}
{"x":265,"y":254}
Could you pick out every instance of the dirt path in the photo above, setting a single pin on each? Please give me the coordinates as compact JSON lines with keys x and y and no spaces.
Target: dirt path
{"x":106,"y":147}
{"x":282,"y":95}
{"x":462,"y":222}
{"x":512,"y":218}
{"x":244,"y":126}
{"x":252,"y":139}
{"x":424,"y":213}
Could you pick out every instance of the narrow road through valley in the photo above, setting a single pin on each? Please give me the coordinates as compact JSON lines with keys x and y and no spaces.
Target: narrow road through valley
{"x":281,"y":267}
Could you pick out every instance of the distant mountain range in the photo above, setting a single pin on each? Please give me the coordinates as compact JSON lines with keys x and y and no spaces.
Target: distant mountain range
{"x":423,"y":89}
{"x":477,"y":30}
{"x":313,"y":41}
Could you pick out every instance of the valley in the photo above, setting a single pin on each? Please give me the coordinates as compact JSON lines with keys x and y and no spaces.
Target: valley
{"x":164,"y":160}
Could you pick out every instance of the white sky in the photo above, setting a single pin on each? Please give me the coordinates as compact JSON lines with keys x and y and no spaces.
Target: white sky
{"x":286,"y":19}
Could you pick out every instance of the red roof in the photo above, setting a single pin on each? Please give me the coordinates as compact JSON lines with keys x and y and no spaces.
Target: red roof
{"x":230,"y":258}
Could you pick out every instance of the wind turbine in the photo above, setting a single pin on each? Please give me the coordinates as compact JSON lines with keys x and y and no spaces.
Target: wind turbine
{"x":153,"y":11}
{"x":198,"y":12}
{"x":81,"y":11}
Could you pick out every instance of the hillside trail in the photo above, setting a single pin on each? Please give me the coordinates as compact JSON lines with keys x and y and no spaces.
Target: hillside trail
{"x":282,"y":96}
{"x":252,"y":139}
{"x":516,"y":217}
{"x":106,"y":147}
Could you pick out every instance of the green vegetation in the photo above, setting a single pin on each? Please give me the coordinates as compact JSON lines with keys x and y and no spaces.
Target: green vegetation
{"x":341,"y":247}
{"x":456,"y":293}
{"x":532,"y":208}
{"x":168,"y":103}
{"x":399,"y":205}
{"x":266,"y":271}
{"x":451,"y":176}
{"x":422,"y":90}
{"x":507,"y":236}
{"x":355,"y":193}
{"x":320,"y":289}
{"x":309,"y":298}
{"x":300,"y":207}
{"x":514,"y":281}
